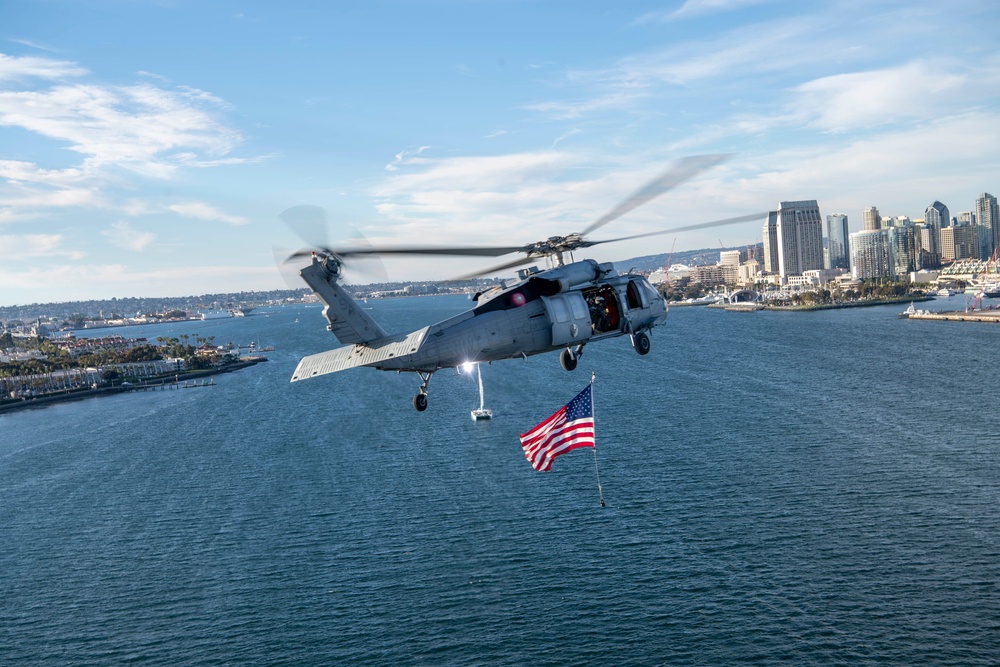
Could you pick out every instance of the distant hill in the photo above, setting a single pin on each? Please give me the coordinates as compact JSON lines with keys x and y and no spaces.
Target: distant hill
{"x":648,"y":263}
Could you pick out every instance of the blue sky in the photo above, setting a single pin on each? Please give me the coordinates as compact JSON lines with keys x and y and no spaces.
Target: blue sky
{"x":147,"y":148}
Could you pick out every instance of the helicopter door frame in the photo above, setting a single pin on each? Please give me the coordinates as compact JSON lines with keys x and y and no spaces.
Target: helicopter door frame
{"x":569,"y":316}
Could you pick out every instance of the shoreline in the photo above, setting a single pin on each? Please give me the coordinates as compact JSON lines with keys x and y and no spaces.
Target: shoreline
{"x":757,"y":305}
{"x":153,"y":384}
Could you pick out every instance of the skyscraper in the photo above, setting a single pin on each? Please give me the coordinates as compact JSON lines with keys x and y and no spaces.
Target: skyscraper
{"x":959,"y":242}
{"x":988,"y":218}
{"x":872,"y":255}
{"x":837,"y":237}
{"x":906,"y":249}
{"x":770,"y":236}
{"x":800,"y":237}
{"x":871,"y":219}
{"x":937,"y":214}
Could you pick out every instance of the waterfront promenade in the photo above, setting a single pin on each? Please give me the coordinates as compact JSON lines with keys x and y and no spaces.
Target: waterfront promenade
{"x":163,"y":382}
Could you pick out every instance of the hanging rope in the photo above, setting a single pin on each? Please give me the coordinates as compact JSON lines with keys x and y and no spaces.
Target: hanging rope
{"x":600,"y":491}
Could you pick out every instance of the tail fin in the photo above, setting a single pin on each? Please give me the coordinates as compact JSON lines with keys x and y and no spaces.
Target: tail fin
{"x":348,"y":322}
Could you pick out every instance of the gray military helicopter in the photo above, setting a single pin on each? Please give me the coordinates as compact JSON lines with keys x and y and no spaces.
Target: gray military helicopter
{"x":564,"y":307}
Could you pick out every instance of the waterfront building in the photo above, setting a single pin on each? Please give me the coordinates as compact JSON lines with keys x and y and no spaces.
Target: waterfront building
{"x":732,"y":258}
{"x":872,"y":255}
{"x":871,"y":219}
{"x":748,"y":272}
{"x":959,"y":243}
{"x":906,"y":249}
{"x":930,"y":245}
{"x":988,"y":218}
{"x":800,"y":237}
{"x":712,"y":276}
{"x":837,"y":241}
{"x":770,"y":236}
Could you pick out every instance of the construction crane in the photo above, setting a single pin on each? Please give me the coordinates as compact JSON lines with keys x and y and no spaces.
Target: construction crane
{"x":670,"y":258}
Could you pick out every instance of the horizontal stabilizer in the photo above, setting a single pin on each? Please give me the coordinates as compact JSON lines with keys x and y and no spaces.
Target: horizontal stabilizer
{"x":373,"y":353}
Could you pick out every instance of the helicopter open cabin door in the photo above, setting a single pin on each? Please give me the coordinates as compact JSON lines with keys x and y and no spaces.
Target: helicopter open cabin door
{"x":570,"y":318}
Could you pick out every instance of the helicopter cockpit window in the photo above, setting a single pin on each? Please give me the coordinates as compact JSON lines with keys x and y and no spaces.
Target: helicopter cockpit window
{"x":637,"y":298}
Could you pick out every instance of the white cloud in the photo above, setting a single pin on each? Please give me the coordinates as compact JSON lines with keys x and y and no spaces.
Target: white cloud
{"x":403,"y":157}
{"x":854,"y":100}
{"x":15,"y":247}
{"x":16,"y":68}
{"x":104,"y":281}
{"x":124,"y":236}
{"x":692,"y":8}
{"x":203,"y":211}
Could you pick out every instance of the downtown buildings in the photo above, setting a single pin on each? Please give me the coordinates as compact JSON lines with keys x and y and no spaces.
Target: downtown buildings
{"x":793,"y":239}
{"x":888,"y":247}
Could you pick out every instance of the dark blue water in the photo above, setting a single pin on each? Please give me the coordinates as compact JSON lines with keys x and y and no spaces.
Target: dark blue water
{"x":806,"y":489}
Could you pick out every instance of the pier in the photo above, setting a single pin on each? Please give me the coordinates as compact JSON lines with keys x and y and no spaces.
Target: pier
{"x":988,"y":316}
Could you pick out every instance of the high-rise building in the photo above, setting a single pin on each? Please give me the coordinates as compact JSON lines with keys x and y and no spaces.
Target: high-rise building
{"x":906,"y":249}
{"x":871,"y":219}
{"x":872,"y":255}
{"x":837,"y":241}
{"x":930,"y":246}
{"x":732,"y":258}
{"x":937,"y":214}
{"x":959,"y":243}
{"x":800,"y":237}
{"x":988,"y":218}
{"x":770,"y":235}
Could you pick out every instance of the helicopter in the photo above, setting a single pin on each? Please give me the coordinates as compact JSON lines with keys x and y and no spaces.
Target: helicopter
{"x":564,"y":307}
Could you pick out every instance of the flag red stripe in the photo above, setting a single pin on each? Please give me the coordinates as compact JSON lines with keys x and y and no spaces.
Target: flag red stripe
{"x":555,"y":437}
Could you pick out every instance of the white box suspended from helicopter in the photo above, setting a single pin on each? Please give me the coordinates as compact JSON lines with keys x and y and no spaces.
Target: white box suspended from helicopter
{"x":561,"y":308}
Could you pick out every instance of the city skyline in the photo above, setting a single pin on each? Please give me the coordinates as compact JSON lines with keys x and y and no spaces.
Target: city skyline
{"x":148,"y":148}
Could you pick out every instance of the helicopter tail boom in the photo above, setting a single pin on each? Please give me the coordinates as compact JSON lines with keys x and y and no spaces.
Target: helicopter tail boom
{"x":348,"y":322}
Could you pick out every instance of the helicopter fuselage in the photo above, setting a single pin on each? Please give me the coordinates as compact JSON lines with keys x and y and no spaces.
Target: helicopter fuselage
{"x":562,"y":308}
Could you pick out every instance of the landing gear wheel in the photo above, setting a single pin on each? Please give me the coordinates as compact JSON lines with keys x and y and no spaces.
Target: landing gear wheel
{"x":640,"y":342}
{"x":568,"y":360}
{"x":420,"y":402}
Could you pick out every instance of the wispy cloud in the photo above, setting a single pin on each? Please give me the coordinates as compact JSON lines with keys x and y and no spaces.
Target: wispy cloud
{"x":207,"y":212}
{"x":692,"y":8}
{"x":17,"y":68}
{"x":403,"y":157}
{"x":122,"y":235}
{"x":914,"y":90}
{"x":15,"y":247}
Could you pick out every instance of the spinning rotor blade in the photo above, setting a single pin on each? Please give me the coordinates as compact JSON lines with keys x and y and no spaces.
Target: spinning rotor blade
{"x":494,"y":269}
{"x":687,"y":228}
{"x":309,"y":222}
{"x":681,"y":171}
{"x":457,"y":251}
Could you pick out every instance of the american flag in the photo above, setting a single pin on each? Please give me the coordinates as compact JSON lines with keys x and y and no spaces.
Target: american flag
{"x":570,"y":427}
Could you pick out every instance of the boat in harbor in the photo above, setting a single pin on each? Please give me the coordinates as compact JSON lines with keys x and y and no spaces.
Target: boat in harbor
{"x":944,"y":291}
{"x":909,"y":311}
{"x":991,"y":290}
{"x":481,"y":413}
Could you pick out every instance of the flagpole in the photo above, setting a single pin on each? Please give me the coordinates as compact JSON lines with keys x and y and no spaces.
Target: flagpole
{"x":600,"y":491}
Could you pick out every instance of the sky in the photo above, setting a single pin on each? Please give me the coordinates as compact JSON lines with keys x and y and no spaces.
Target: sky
{"x":148,"y":148}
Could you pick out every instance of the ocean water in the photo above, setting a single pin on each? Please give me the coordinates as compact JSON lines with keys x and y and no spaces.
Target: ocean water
{"x":782,"y":488}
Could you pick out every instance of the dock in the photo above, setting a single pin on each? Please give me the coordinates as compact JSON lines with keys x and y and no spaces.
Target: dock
{"x":988,"y":316}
